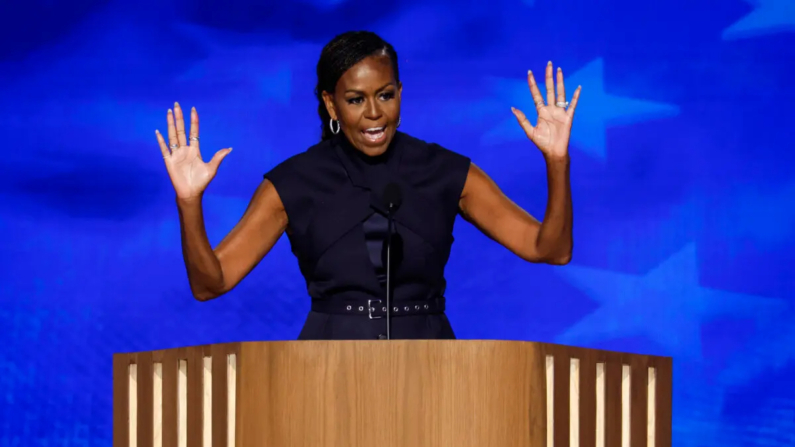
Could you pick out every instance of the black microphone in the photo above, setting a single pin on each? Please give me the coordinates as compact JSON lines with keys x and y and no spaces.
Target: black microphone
{"x":393,"y":198}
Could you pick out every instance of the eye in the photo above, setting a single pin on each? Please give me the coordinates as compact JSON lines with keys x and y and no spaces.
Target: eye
{"x":386,"y":96}
{"x":355,"y":100}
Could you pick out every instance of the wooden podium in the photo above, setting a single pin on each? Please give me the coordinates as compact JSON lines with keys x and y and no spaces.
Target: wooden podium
{"x":423,"y":393}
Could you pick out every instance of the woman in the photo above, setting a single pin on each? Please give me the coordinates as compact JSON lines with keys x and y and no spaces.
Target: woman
{"x":330,"y":202}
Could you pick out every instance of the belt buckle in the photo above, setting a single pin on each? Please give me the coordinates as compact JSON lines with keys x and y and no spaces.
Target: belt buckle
{"x":370,"y":309}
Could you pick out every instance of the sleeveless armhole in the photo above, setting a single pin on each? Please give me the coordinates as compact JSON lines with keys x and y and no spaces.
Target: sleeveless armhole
{"x":456,"y":170}
{"x":282,"y":176}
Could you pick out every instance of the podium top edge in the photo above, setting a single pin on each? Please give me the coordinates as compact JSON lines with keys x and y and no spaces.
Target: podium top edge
{"x":548,"y":348}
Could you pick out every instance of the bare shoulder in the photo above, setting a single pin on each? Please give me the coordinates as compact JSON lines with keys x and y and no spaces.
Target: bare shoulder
{"x":477,"y":188}
{"x":266,"y":203}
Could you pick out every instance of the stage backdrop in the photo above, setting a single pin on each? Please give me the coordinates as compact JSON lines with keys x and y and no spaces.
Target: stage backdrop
{"x":681,"y":169}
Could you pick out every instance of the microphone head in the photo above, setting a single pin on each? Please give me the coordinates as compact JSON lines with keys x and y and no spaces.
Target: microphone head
{"x":393,"y":196}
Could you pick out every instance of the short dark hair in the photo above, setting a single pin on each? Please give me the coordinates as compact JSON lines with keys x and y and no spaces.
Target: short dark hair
{"x":340,"y":54}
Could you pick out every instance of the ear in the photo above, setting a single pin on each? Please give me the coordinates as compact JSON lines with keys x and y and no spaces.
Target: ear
{"x":400,"y":90}
{"x":328,"y":99}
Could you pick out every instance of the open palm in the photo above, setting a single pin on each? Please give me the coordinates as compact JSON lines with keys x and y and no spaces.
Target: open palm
{"x":189,"y":174}
{"x":553,"y":129}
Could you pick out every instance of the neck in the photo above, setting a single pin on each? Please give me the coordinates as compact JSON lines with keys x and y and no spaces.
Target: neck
{"x":368,"y":159}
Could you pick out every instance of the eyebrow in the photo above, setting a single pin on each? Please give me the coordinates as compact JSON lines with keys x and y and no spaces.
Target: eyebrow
{"x":361,"y":92}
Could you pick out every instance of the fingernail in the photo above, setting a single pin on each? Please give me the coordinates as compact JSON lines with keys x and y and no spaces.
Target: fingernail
{"x":169,"y":111}
{"x":176,"y":104}
{"x":512,"y":109}
{"x":157,"y":131}
{"x":559,"y":69}
{"x":529,"y":72}
{"x":549,"y":63}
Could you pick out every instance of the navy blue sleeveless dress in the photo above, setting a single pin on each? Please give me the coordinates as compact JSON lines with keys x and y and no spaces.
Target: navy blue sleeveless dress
{"x":337,"y":227}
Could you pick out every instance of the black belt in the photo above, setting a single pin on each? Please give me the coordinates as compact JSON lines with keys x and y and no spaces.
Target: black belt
{"x":376,"y":308}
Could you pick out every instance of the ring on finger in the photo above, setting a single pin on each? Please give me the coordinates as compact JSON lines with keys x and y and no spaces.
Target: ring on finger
{"x":174,"y":146}
{"x":194,"y":138}
{"x":563,"y":104}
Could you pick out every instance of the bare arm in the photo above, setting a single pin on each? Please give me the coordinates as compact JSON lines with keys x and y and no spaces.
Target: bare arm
{"x":212,"y":273}
{"x":485,"y":206}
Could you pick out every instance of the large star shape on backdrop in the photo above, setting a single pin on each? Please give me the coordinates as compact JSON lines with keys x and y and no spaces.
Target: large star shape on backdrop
{"x":597,"y":109}
{"x":767,"y":17}
{"x":667,"y":305}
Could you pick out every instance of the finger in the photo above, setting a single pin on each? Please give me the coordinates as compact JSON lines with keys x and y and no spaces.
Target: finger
{"x":548,"y":80}
{"x":194,"y":127}
{"x":561,"y":89}
{"x":173,"y":142}
{"x":524,"y":122}
{"x":162,"y":143}
{"x":218,"y":158}
{"x":574,"y":100}
{"x":180,"y":120}
{"x":537,"y":98}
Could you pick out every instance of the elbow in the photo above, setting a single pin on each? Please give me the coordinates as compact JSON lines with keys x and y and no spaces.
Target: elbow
{"x":205,"y":294}
{"x":201,"y":297}
{"x":549,"y":259}
{"x":561,"y":256}
{"x":559,"y":260}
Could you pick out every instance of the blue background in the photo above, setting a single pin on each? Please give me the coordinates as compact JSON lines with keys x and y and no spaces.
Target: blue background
{"x":681,"y":169}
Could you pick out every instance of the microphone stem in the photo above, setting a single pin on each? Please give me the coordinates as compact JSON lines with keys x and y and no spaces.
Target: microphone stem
{"x":389,"y":275}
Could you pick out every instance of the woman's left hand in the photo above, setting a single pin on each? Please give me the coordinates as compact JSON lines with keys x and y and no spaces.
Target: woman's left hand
{"x":553,"y":129}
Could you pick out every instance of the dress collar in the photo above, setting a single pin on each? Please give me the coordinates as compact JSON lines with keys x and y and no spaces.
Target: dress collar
{"x":371,"y":173}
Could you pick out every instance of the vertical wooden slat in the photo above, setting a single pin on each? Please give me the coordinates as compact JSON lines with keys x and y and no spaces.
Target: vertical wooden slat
{"x":231,"y":388}
{"x":626,"y":407}
{"x":613,"y":402}
{"x":664,"y":395}
{"x":182,"y":399}
{"x":145,"y":401}
{"x":549,"y":397}
{"x":121,"y":435}
{"x":219,"y":353}
{"x":574,"y":402}
{"x":638,"y":398}
{"x":195,"y":359}
{"x":170,"y":398}
{"x":537,"y":411}
{"x":561,"y":396}
{"x":588,"y":400}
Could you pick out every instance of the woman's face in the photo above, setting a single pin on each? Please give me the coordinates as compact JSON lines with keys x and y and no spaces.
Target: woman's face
{"x":366,"y":101}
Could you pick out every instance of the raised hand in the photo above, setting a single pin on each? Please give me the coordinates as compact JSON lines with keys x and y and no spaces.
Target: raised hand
{"x":189,"y":174}
{"x":553,"y":129}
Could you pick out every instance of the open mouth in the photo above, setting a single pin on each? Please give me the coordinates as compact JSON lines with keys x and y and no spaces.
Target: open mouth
{"x":375,"y":134}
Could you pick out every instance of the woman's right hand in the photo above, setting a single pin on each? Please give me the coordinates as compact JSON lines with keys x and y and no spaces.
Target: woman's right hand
{"x":189,"y":174}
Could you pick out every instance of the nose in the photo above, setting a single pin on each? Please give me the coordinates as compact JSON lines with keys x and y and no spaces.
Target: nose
{"x":372,"y":111}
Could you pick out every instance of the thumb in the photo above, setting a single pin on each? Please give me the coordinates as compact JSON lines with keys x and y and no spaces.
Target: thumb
{"x":218,"y":158}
